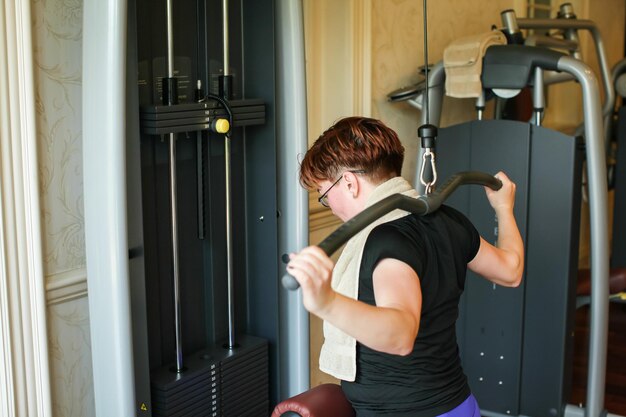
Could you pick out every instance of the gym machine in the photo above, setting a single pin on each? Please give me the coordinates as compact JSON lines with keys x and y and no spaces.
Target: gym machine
{"x":191,"y":193}
{"x":517,"y":358}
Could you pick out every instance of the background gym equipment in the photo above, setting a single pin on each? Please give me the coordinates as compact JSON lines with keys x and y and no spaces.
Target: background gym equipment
{"x":517,"y":359}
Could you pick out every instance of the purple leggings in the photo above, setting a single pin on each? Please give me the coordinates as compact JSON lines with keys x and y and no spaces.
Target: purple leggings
{"x":468,"y":408}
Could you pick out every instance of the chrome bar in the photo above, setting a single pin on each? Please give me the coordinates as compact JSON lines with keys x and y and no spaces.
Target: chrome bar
{"x":436,"y":80}
{"x":225,"y":36}
{"x":175,"y":264}
{"x":170,"y":40}
{"x":229,"y":246}
{"x":538,"y":96}
{"x":597,"y":182}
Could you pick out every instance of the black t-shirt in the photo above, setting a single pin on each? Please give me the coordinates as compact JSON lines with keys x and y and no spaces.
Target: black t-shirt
{"x":430,"y":380}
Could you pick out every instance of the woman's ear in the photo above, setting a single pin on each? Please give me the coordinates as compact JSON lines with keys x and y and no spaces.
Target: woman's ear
{"x":352,"y":182}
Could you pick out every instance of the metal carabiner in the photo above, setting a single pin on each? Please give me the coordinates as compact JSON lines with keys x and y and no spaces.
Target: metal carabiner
{"x":428,"y":185}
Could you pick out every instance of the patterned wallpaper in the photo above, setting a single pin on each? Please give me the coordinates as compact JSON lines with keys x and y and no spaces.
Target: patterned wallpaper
{"x":57,"y":33}
{"x":70,"y":359}
{"x":57,"y":39}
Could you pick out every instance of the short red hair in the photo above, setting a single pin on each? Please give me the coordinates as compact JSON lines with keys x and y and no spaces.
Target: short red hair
{"x":353,"y":143}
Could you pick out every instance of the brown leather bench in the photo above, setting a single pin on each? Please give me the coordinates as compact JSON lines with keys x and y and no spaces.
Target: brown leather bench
{"x":326,"y":400}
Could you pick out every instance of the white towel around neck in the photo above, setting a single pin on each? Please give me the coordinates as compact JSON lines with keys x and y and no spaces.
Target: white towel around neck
{"x":338,"y":354}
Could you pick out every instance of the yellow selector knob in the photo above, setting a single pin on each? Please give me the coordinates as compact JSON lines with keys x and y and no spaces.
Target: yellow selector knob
{"x":221,"y":126}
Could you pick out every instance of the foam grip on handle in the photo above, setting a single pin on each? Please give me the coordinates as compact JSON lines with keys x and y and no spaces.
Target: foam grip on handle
{"x":290,"y":282}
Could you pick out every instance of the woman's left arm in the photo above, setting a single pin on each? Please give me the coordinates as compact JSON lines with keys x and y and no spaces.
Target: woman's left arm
{"x":391,"y":326}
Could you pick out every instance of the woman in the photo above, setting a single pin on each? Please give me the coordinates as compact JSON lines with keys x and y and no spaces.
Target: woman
{"x":390,"y":303}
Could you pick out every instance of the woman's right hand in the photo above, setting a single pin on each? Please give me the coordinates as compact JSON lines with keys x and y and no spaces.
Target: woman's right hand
{"x":504,"y":198}
{"x":313,"y":270}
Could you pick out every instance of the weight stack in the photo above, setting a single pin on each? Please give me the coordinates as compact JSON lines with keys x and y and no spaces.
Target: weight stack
{"x":216,"y":382}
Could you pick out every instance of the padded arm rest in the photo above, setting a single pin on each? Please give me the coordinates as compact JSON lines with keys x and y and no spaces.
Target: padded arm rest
{"x":326,"y":400}
{"x":617,"y":281}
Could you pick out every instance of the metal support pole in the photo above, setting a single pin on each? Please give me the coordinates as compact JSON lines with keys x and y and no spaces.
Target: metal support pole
{"x":106,"y":219}
{"x":436,"y":80}
{"x":170,"y":96}
{"x":538,"y":96}
{"x":293,"y":203}
{"x":229,"y":246}
{"x":480,"y":105}
{"x":225,"y":92}
{"x":175,"y":264}
{"x":225,"y":36}
{"x":226,"y":79}
{"x":596,"y":173}
{"x":170,"y":40}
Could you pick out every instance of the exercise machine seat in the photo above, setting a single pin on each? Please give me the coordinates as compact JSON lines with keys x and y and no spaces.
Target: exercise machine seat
{"x":617,"y":281}
{"x":326,"y":400}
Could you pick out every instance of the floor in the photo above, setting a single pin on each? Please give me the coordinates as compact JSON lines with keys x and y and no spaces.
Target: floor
{"x":615,"y":397}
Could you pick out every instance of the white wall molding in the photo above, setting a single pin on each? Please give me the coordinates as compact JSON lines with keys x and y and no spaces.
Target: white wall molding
{"x":66,"y":286}
{"x":24,"y":369}
{"x":362,"y":57}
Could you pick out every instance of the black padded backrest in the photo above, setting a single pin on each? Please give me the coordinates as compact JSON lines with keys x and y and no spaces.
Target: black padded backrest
{"x":510,"y":66}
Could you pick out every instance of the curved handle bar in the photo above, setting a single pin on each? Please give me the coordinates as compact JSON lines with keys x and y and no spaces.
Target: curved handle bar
{"x":421,"y":206}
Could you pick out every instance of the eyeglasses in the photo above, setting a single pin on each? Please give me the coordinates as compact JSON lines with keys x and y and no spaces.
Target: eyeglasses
{"x":323,"y":200}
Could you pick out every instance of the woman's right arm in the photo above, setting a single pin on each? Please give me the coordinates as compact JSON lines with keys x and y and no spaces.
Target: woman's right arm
{"x":502,"y":264}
